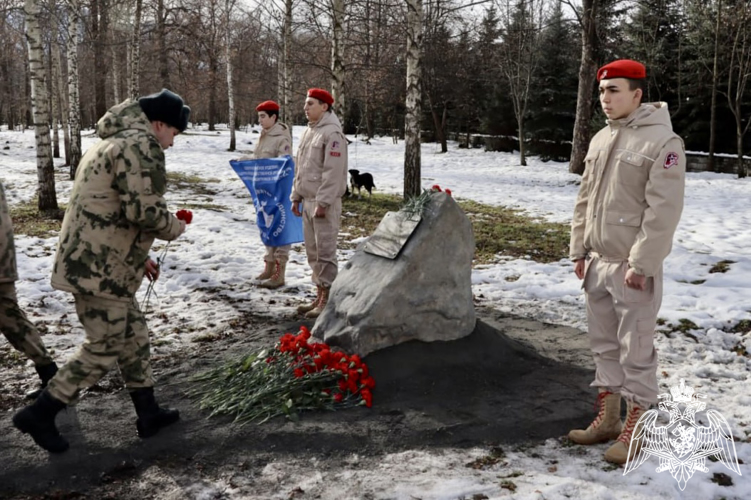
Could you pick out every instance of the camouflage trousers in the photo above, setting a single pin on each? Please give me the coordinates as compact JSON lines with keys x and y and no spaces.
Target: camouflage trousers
{"x":116,"y":332}
{"x":20,"y":332}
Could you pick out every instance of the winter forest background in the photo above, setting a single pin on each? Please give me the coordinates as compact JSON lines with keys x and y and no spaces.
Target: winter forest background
{"x":483,"y":72}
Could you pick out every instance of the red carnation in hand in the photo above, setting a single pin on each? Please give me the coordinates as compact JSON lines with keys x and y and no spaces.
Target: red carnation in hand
{"x":184,"y":215}
{"x":448,"y":192}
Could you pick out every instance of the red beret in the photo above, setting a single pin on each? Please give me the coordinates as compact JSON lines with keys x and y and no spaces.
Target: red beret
{"x":321,"y":95}
{"x":267,"y":106}
{"x":622,"y":68}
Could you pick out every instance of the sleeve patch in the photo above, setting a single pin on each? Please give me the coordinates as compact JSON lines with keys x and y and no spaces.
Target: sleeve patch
{"x":335,"y":145}
{"x":670,"y":160}
{"x":335,"y":153}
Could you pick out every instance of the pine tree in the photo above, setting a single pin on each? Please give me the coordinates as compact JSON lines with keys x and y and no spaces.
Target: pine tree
{"x":553,"y":108}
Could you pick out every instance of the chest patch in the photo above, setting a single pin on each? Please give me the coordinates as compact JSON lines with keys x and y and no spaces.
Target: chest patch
{"x":670,"y":160}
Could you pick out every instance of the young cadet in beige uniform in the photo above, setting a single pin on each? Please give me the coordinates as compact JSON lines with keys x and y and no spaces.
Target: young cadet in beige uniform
{"x":275,"y":141}
{"x":320,"y":183}
{"x":628,"y":208}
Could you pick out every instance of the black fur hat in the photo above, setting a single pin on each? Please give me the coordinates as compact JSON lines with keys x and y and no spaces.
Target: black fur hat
{"x":167,"y":107}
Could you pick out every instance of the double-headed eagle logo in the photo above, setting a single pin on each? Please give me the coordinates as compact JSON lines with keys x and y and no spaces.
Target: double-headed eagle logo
{"x":683,"y":445}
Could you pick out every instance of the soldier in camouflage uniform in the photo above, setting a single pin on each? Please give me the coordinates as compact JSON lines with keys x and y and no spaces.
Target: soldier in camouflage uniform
{"x":20,"y":332}
{"x":116,"y":211}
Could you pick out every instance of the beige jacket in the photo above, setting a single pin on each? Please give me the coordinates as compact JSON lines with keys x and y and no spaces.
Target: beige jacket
{"x":631,"y":194}
{"x":321,"y":162}
{"x":273,"y":143}
{"x":8,"y":270}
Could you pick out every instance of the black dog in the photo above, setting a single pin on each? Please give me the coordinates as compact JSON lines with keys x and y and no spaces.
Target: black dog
{"x":358,"y":181}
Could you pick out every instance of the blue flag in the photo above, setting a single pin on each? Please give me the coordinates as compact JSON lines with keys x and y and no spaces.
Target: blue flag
{"x":269,"y":181}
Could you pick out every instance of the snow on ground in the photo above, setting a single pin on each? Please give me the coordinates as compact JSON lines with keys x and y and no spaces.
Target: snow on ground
{"x":221,"y":252}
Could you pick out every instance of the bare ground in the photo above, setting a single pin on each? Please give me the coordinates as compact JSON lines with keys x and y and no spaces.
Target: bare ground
{"x":511,"y":381}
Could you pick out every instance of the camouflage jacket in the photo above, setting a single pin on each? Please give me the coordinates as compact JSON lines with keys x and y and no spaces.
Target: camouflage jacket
{"x":8,"y":271}
{"x":116,"y":209}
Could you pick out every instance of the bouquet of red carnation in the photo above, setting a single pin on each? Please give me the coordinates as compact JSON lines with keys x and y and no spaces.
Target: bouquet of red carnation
{"x":292,"y":377}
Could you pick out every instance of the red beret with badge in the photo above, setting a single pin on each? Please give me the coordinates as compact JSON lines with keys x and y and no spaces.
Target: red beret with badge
{"x":267,"y":106}
{"x":321,"y":95}
{"x":622,"y":68}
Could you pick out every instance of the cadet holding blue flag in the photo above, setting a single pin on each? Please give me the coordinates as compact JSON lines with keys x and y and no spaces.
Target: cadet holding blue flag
{"x":275,"y":141}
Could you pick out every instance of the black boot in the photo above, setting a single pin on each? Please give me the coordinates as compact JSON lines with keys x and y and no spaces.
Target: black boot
{"x":151,"y":418}
{"x":46,"y":372}
{"x":38,"y":420}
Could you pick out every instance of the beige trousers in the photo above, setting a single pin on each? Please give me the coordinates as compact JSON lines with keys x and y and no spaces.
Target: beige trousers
{"x":622,"y":323}
{"x":20,"y":332}
{"x":116,"y":333}
{"x":320,"y":241}
{"x":277,"y":253}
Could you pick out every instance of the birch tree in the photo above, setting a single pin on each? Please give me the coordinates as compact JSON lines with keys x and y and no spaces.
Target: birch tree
{"x":413,"y":111}
{"x":135,"y":53}
{"x":337,"y":55}
{"x":738,"y":26}
{"x":47,"y":201}
{"x":161,"y":44}
{"x":286,"y":84}
{"x":586,"y":15}
{"x":74,"y":105}
{"x":519,"y":58}
{"x":228,"y":6}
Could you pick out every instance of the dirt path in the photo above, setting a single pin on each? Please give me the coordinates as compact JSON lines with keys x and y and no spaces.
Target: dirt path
{"x":512,"y":380}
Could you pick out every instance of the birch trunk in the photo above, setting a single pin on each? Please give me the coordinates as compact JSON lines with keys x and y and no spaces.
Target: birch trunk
{"x":161,"y":35}
{"x":47,"y":201}
{"x":99,"y":26}
{"x":230,"y":92}
{"x":74,"y":105}
{"x":116,"y":95}
{"x":287,"y":84}
{"x":587,"y":75}
{"x":413,"y":104}
{"x":135,"y":53}
{"x":61,"y":95}
{"x":52,"y":95}
{"x":739,"y":72}
{"x":337,"y":56}
{"x":713,"y":108}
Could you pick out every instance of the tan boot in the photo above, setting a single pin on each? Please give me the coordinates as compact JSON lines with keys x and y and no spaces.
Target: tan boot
{"x":619,"y":452}
{"x":268,"y":271}
{"x":305,"y":308}
{"x":277,"y":279}
{"x":315,"y":312}
{"x":607,"y":423}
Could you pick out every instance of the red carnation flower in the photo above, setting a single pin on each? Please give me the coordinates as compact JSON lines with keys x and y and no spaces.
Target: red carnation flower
{"x":184,"y":215}
{"x":448,"y":192}
{"x":435,"y":187}
{"x":338,"y":397}
{"x":367,"y":397}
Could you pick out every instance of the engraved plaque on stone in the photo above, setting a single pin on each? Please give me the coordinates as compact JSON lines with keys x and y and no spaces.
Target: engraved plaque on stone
{"x":392,"y":234}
